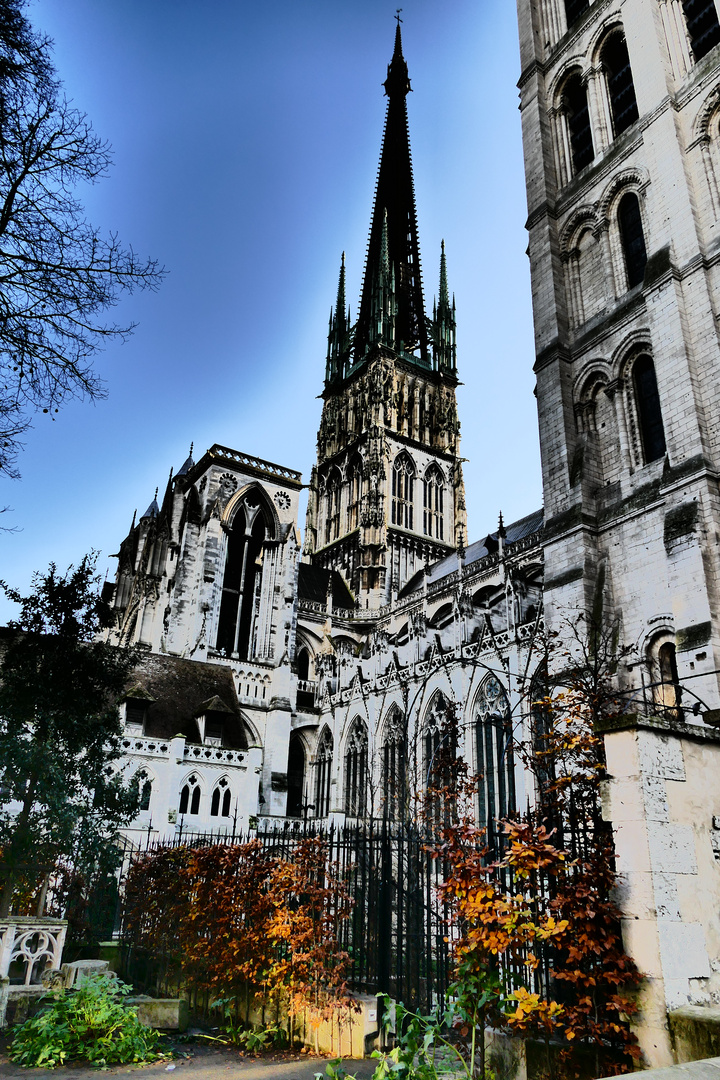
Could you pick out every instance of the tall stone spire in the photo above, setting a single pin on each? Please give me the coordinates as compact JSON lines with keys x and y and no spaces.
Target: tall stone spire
{"x":394,"y":211}
{"x":338,"y":333}
{"x":443,"y":324}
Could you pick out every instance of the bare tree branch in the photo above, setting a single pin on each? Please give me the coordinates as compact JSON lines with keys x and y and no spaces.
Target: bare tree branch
{"x":58,"y":273}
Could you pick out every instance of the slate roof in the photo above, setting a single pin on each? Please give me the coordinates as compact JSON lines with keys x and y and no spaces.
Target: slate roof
{"x":476,"y":551}
{"x":179,"y":691}
{"x":313,"y":585}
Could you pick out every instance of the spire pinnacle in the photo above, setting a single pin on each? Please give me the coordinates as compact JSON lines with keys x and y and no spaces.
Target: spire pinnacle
{"x":338,"y":332}
{"x":443,"y":324}
{"x":393,"y":230}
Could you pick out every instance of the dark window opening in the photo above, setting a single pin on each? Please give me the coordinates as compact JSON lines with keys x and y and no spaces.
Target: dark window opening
{"x":296,"y":778}
{"x":578,"y":118}
{"x":394,"y":768}
{"x":323,"y":774}
{"x":403,"y":492}
{"x":495,"y":765}
{"x":621,"y":90}
{"x":703,"y":26}
{"x":356,"y":770}
{"x":221,"y":792}
{"x":213,"y":730}
{"x":633,"y":241}
{"x":668,"y":694}
{"x":303,"y":665}
{"x":574,"y":9}
{"x":243,"y":571}
{"x":190,"y":794}
{"x":652,"y":432}
{"x":135,"y":715}
{"x":145,"y":788}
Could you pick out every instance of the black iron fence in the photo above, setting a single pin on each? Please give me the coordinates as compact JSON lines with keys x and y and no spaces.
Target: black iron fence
{"x":398,"y":936}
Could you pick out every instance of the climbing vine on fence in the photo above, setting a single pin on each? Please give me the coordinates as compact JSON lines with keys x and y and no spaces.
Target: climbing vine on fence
{"x":239,"y":922}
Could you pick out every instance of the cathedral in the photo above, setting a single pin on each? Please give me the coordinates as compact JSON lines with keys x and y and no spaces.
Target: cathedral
{"x":286,"y":678}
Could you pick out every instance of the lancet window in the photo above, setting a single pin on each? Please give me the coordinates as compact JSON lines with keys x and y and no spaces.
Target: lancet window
{"x":354,"y":494}
{"x":190,"y":796}
{"x":703,"y":26}
{"x":574,"y":9}
{"x":652,"y":432}
{"x":323,"y":773}
{"x":333,"y":492}
{"x":393,"y":761}
{"x":494,"y":758}
{"x":633,"y":240}
{"x":667,"y":692}
{"x":144,"y":790}
{"x":242,"y":578}
{"x":296,"y":777}
{"x":433,"y":498}
{"x":575,"y":105}
{"x":403,"y":491}
{"x":220,"y":802}
{"x":356,"y":769}
{"x":621,"y":90}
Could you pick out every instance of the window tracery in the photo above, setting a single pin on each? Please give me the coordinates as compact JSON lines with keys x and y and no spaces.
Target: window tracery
{"x":221,"y":794}
{"x":494,"y":757}
{"x":433,"y":498}
{"x":403,"y":491}
{"x":394,"y":765}
{"x":190,"y":796}
{"x":356,"y":766}
{"x":323,"y":774}
{"x":242,"y":578}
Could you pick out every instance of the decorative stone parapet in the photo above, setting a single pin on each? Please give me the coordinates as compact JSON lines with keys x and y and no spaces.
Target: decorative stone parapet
{"x":28,"y":946}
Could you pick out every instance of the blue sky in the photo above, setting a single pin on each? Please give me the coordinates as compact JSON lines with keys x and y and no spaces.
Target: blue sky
{"x":246,"y":139}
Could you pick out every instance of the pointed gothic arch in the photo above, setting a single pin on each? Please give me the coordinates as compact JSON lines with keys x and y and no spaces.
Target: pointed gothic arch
{"x":433,"y":502}
{"x":323,"y":772}
{"x":403,"y":490}
{"x":394,"y":764}
{"x":250,"y":524}
{"x":494,"y":765}
{"x":296,"y":776}
{"x":221,"y":798}
{"x":356,"y":769}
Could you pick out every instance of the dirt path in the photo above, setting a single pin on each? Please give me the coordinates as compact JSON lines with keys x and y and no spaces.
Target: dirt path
{"x":203,"y":1064}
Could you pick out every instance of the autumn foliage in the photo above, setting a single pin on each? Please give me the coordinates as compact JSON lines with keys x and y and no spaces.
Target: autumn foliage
{"x":240,"y":922}
{"x":539,"y":951}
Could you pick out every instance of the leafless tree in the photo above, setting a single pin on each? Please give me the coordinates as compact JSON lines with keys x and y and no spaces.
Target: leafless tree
{"x":58,"y":273}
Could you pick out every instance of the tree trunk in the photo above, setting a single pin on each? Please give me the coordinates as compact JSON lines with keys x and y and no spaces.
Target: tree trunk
{"x":9,"y":874}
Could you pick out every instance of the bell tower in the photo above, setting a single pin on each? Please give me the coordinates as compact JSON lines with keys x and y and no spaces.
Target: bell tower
{"x":387,"y":494}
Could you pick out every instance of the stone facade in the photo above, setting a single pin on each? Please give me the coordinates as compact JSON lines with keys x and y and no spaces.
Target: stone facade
{"x":620,"y":104}
{"x":332,"y":666}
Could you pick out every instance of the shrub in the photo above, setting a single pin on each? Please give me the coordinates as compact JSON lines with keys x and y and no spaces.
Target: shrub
{"x":92,"y":1023}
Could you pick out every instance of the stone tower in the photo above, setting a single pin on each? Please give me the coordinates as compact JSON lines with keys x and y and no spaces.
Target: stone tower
{"x":387,"y":495}
{"x":620,"y":105}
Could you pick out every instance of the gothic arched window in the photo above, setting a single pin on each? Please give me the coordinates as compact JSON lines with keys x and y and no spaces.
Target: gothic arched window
{"x":403,"y":491}
{"x":190,"y":796}
{"x":574,"y":9}
{"x":242,"y":578}
{"x":393,"y":759}
{"x":323,"y":775}
{"x":667,"y":691}
{"x":303,"y":664}
{"x":333,"y":490}
{"x":437,"y":751}
{"x":354,"y":494}
{"x":703,"y":26}
{"x":221,"y":795}
{"x":144,"y":790}
{"x":575,"y":104}
{"x":296,"y":777}
{"x":356,"y":759}
{"x":621,"y":89}
{"x":494,"y":756}
{"x":433,"y":497}
{"x":652,"y":432}
{"x":633,"y":241}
